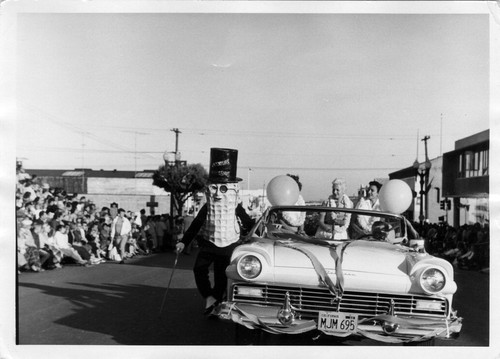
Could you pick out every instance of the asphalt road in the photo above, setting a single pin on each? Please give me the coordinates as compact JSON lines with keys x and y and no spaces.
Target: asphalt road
{"x":113,"y":304}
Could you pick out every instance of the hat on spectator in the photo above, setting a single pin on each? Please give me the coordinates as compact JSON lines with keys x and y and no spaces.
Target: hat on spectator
{"x":45,"y":186}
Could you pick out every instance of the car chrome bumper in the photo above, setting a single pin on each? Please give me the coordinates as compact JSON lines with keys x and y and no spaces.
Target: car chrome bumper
{"x":405,"y":329}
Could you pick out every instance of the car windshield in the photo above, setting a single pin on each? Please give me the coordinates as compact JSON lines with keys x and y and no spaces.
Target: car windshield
{"x":331,"y":224}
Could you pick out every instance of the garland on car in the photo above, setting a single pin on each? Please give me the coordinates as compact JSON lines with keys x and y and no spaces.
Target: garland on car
{"x":337,"y":289}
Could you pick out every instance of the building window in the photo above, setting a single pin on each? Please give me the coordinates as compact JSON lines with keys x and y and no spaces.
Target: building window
{"x":485,"y":162}
{"x":461,"y":166}
{"x":473,"y":164}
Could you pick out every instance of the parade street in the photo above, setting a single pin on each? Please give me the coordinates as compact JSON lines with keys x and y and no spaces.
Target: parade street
{"x":113,"y":304}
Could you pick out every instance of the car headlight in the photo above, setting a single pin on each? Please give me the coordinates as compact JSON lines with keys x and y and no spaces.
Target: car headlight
{"x":432,"y":280}
{"x":249,"y":267}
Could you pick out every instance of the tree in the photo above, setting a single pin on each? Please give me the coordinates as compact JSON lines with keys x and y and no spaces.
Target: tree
{"x":182,"y":181}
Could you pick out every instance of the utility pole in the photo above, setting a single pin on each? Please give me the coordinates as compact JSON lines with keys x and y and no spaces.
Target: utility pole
{"x":425,"y":139}
{"x":427,"y":170}
{"x":177,"y":162}
{"x":83,"y":162}
{"x":176,"y":130}
{"x":248,"y":183}
{"x":441,"y":137}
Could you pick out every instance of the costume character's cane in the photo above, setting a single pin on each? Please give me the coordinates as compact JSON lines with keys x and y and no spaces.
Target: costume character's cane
{"x":169,"y":282}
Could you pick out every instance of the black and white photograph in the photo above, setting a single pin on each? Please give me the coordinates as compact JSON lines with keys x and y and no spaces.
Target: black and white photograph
{"x":206,"y":179}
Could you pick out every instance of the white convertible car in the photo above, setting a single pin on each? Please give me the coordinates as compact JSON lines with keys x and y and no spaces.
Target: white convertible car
{"x":382,"y":286}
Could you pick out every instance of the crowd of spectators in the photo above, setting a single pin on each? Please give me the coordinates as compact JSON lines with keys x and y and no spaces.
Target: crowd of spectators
{"x":466,"y":247}
{"x":55,"y":228}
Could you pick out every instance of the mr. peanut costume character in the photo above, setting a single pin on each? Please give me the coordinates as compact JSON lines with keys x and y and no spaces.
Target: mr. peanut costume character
{"x":220,"y":222}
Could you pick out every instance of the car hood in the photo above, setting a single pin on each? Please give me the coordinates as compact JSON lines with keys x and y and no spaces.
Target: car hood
{"x":356,"y":256}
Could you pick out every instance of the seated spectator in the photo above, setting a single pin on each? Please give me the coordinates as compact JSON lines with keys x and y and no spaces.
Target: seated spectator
{"x":42,"y":216}
{"x":104,"y":211}
{"x":139,"y":237}
{"x":27,"y":247}
{"x":47,"y":258}
{"x":47,"y":238}
{"x":28,"y":191}
{"x":452,"y":253}
{"x":93,"y":242}
{"x":62,"y":243}
{"x":52,"y":206}
{"x":78,"y":241}
{"x":105,"y":233}
{"x":45,"y":194}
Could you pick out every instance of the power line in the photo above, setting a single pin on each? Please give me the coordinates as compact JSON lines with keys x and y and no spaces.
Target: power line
{"x":73,"y":128}
{"x":281,"y":134}
{"x":225,"y":132}
{"x":301,"y":154}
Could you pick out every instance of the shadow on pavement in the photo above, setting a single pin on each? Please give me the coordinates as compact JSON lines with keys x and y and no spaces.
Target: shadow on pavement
{"x":164,"y":260}
{"x":130,"y":316}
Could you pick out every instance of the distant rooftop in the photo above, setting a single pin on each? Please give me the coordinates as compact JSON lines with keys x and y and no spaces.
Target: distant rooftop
{"x":89,"y":173}
{"x":473,"y":139}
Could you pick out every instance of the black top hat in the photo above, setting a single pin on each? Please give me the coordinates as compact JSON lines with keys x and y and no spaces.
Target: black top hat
{"x":223,"y":164}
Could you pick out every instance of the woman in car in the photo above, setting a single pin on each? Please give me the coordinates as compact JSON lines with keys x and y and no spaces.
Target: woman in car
{"x":331,"y":225}
{"x":362,"y":225}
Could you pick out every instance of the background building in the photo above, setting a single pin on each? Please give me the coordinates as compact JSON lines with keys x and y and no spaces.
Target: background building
{"x":457,"y":188}
{"x":466,"y":178}
{"x":131,"y":190}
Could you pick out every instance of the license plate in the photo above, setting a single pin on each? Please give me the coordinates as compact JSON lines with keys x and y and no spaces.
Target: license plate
{"x":332,"y":322}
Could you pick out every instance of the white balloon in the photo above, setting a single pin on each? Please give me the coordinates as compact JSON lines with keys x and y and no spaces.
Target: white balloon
{"x":282,"y":191}
{"x":395,"y":196}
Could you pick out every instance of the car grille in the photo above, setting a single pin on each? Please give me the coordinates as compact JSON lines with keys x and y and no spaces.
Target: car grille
{"x":309,"y":301}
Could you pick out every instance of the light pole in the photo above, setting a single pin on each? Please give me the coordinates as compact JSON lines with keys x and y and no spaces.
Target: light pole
{"x":172,"y":159}
{"x":169,"y":163}
{"x":422,"y":172}
{"x":248,"y":182}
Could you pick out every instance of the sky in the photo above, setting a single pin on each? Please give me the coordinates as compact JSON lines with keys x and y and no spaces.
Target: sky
{"x":320,"y":95}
